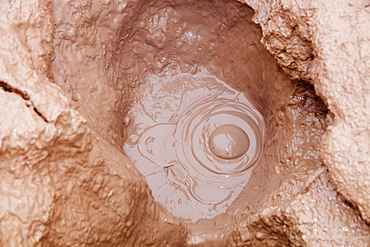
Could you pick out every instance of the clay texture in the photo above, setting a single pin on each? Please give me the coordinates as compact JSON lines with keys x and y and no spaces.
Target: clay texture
{"x":68,"y":70}
{"x":62,"y":185}
{"x":328,"y":43}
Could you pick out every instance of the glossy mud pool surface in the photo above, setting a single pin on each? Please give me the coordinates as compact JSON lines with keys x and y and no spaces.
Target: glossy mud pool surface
{"x":195,"y":139}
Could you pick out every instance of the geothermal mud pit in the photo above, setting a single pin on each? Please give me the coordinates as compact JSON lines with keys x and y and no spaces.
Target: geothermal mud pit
{"x":182,"y":73}
{"x":184,"y":92}
{"x":194,"y":137}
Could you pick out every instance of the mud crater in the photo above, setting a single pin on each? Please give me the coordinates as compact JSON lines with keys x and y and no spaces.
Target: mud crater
{"x":196,"y":66}
{"x":178,"y":72}
{"x":195,"y":132}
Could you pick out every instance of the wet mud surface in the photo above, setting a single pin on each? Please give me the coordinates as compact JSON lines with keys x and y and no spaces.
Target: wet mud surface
{"x":196,"y":140}
{"x":195,"y":130}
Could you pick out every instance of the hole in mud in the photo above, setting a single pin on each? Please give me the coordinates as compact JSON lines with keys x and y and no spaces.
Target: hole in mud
{"x":165,"y":88}
{"x":196,"y":129}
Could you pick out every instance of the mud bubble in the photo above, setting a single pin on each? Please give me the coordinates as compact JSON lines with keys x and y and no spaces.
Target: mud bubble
{"x":229,"y":142}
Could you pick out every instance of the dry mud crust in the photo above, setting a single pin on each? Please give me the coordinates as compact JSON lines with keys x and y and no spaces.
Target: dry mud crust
{"x":328,"y":43}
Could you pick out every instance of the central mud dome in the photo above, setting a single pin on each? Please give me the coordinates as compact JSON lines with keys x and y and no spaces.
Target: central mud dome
{"x":194,"y":130}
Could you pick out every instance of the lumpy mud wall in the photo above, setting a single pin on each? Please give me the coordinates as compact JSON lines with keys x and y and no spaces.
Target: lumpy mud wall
{"x":185,"y":123}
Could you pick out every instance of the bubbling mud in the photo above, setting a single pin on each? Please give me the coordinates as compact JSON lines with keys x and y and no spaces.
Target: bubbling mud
{"x":177,"y":140}
{"x":228,"y":142}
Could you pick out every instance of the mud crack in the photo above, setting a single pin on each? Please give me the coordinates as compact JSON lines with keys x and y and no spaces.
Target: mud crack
{"x":24,"y":95}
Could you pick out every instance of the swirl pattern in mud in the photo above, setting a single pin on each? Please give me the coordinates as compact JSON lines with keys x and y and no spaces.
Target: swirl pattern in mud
{"x":195,"y":140}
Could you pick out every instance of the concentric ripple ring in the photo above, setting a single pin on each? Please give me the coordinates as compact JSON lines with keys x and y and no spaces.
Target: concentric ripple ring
{"x":201,"y":119}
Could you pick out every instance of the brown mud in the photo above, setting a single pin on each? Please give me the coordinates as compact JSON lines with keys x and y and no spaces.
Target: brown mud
{"x":175,"y":122}
{"x":185,"y":69}
{"x":169,"y":123}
